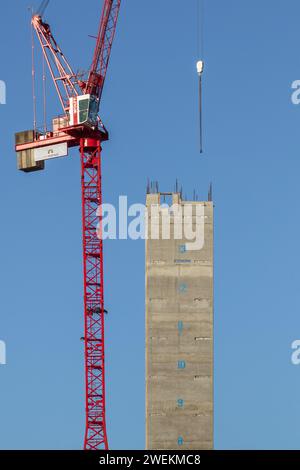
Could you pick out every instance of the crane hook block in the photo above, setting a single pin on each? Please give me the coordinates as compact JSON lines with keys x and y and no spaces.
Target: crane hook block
{"x":200,"y":67}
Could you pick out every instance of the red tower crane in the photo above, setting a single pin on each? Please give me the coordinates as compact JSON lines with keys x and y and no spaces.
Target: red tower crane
{"x":80,"y":126}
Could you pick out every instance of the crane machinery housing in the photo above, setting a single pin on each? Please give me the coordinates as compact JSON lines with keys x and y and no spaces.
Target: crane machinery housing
{"x":80,"y":126}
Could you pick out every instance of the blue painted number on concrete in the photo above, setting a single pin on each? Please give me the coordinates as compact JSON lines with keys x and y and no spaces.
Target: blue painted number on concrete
{"x":181,"y":364}
{"x":182,"y":288}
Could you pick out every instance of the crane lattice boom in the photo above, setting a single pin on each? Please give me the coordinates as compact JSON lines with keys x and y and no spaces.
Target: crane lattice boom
{"x":103,"y":47}
{"x":64,"y":78}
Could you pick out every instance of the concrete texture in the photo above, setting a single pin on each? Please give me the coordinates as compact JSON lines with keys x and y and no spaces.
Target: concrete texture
{"x":179,"y":333}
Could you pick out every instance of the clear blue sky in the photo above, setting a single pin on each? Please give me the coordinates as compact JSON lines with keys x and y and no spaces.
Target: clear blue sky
{"x":252,"y":151}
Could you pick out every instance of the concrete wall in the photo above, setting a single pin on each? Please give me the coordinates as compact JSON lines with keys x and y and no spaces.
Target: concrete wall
{"x":179,"y":335}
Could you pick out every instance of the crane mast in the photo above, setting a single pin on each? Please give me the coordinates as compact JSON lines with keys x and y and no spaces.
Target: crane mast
{"x":81,"y":126}
{"x":95,"y":434}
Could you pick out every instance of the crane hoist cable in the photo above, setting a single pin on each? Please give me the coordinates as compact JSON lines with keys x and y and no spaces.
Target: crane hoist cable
{"x":40,"y":11}
{"x":33,"y":78}
{"x":42,"y":8}
{"x":44,"y":93}
{"x":200,"y":68}
{"x":200,"y":65}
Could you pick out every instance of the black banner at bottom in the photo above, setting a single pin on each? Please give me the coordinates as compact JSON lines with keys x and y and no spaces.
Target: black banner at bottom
{"x":136,"y":459}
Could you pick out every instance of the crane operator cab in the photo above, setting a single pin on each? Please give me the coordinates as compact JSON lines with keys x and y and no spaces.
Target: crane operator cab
{"x":84,"y":110}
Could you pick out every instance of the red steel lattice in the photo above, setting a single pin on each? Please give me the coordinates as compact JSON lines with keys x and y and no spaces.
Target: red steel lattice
{"x":95,"y":435}
{"x":88,"y":137}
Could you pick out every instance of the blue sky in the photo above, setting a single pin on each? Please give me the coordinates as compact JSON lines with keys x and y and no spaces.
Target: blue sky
{"x":252,"y":149}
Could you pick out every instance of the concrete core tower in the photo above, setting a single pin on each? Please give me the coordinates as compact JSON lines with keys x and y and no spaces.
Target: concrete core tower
{"x":179,"y":323}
